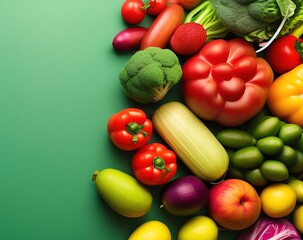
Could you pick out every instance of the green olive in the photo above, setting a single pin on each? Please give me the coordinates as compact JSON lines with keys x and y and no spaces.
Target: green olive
{"x":270,"y":126}
{"x":299,"y":144}
{"x":255,"y":177}
{"x":290,"y":133}
{"x":288,"y":155}
{"x":297,"y":167}
{"x":248,"y":157}
{"x":274,"y":171}
{"x":235,"y":172}
{"x":235,"y":138}
{"x":271,"y":145}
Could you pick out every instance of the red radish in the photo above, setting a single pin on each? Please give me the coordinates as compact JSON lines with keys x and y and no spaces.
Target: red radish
{"x":129,"y":39}
{"x":163,"y":27}
{"x":188,"y":38}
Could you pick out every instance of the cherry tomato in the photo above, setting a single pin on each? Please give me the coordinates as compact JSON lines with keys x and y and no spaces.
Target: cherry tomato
{"x":133,"y":11}
{"x":156,"y":6}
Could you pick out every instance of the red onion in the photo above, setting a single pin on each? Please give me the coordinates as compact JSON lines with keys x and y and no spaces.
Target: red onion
{"x":129,"y":39}
{"x":185,"y":196}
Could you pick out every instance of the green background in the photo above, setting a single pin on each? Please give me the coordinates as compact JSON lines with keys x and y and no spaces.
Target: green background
{"x":58,"y":87}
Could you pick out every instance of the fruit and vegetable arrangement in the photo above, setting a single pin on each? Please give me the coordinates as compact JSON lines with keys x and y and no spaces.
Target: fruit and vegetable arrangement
{"x":237,"y":129}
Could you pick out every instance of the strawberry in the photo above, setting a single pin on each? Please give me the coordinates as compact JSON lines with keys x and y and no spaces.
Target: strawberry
{"x":188,"y":38}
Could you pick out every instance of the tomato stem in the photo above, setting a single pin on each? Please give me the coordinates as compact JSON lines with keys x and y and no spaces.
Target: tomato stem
{"x":159,"y":163}
{"x":146,"y":4}
{"x":134,"y":128}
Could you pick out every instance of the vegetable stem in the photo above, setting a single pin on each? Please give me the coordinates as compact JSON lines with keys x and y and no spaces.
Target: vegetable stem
{"x":134,"y":128}
{"x":159,"y":163}
{"x":146,"y":4}
{"x":298,"y":31}
{"x":95,"y":174}
{"x":205,"y":15}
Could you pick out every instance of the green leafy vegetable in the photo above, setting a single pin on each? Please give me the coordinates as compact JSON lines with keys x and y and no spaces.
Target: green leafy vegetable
{"x":265,"y":11}
{"x":254,"y":20}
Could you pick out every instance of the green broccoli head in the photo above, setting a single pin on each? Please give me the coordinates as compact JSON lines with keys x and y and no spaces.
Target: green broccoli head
{"x":150,"y":73}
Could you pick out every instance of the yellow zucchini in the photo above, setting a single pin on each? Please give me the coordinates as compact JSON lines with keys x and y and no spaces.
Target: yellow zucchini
{"x":191,"y":140}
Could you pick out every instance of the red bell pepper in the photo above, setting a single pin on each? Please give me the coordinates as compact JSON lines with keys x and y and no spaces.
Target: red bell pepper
{"x":129,"y":129}
{"x":226,"y":82}
{"x":286,"y":52}
{"x":154,"y":164}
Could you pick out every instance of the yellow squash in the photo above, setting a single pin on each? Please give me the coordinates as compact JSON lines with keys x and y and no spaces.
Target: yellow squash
{"x":191,"y":140}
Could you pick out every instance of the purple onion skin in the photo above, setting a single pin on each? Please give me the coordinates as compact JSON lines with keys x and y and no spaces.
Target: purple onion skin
{"x":184,"y":196}
{"x":129,"y":39}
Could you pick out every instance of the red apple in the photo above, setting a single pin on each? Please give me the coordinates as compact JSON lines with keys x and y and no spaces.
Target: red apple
{"x":234,"y":204}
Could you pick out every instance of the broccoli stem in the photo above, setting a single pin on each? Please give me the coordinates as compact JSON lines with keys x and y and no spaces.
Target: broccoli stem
{"x":160,"y":91}
{"x":205,"y":15}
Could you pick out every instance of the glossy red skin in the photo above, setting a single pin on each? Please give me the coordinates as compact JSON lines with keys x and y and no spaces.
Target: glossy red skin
{"x":184,"y":196}
{"x":282,"y":54}
{"x":225,"y":82}
{"x":131,"y":11}
{"x":129,"y":39}
{"x":118,"y":133}
{"x":163,"y":27}
{"x":146,"y":172}
{"x":156,"y":6}
{"x":187,"y":4}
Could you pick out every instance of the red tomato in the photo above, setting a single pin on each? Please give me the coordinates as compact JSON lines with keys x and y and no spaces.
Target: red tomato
{"x":133,"y":11}
{"x":285,"y":53}
{"x":156,"y":6}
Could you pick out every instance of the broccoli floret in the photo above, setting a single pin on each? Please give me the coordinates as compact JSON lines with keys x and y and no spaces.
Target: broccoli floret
{"x":150,"y":73}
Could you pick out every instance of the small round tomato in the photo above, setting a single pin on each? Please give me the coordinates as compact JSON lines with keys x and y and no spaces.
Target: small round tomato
{"x":156,"y":6}
{"x":133,"y":11}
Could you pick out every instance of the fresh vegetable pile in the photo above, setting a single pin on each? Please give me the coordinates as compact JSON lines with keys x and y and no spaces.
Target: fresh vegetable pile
{"x":237,"y":130}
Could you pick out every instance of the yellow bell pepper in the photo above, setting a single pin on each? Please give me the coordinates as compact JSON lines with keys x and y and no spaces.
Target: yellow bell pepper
{"x":285,"y":96}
